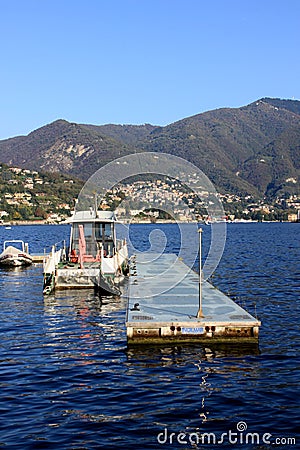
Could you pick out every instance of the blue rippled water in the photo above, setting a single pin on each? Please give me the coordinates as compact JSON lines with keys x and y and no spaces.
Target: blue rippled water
{"x":68,"y":380}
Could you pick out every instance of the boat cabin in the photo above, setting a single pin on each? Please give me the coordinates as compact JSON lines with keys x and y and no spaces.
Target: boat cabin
{"x":92,"y":235}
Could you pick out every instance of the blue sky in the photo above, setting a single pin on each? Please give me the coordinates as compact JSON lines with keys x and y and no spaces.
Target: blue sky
{"x":142,"y":61}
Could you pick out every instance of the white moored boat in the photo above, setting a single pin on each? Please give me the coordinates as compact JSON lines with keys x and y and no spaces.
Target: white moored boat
{"x":15,"y":253}
{"x":94,"y":258}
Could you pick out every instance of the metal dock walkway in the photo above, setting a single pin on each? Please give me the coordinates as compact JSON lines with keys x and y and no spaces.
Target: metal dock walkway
{"x":163,"y":302}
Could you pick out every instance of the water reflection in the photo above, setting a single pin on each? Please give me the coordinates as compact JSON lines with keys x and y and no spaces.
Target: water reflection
{"x":206,"y":369}
{"x":83,"y":303}
{"x":184,"y":352}
{"x":80,"y":325}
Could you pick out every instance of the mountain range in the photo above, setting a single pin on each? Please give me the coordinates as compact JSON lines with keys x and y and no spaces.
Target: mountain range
{"x":254,"y":149}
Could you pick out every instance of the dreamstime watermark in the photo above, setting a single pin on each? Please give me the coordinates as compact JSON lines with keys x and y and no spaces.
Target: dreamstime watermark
{"x":239,"y":436}
{"x":163,"y":166}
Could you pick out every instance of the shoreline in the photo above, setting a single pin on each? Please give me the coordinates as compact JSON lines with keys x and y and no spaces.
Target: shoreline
{"x":45,"y":222}
{"x":27,"y":222}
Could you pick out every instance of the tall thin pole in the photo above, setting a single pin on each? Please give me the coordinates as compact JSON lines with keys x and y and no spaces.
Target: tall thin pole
{"x":200,"y":314}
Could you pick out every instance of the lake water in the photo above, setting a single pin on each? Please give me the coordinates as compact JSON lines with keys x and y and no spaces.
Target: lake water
{"x":68,"y":380}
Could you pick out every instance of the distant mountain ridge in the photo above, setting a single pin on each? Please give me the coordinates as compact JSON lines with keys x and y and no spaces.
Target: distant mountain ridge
{"x":252,"y":149}
{"x":64,"y":147}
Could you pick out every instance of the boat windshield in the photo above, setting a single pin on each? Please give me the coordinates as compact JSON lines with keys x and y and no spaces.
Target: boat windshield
{"x":17,"y":244}
{"x":103,"y":230}
{"x":95,"y":234}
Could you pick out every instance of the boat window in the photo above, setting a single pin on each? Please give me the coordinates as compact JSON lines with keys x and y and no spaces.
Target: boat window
{"x":75,"y":231}
{"x":88,"y":233}
{"x":90,"y":243}
{"x":98,"y":231}
{"x":103,"y":230}
{"x":107,"y":230}
{"x":88,"y":230}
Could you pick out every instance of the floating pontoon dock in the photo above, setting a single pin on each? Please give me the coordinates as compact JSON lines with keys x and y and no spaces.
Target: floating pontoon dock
{"x":163,"y":303}
{"x":37,"y":257}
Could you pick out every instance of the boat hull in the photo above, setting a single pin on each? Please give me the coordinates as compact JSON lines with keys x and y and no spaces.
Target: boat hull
{"x":14,"y":262}
{"x":14,"y":258}
{"x":85,"y":278}
{"x":74,"y":278}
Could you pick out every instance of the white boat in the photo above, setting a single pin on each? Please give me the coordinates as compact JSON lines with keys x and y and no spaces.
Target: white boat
{"x":15,"y":253}
{"x":213,"y":221}
{"x":94,"y":258}
{"x":244,"y":221}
